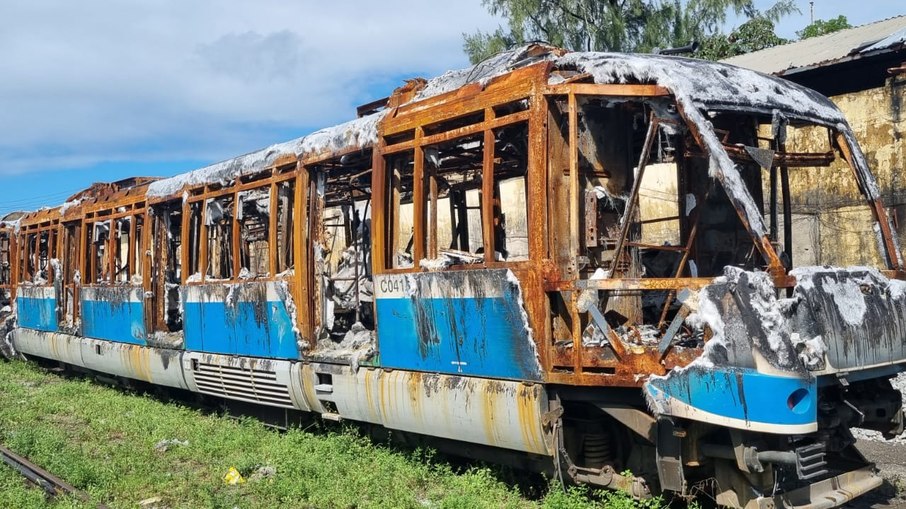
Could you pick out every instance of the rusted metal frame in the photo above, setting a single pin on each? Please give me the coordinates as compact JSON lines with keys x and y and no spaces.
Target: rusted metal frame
{"x":787,"y":207}
{"x":197,"y":192}
{"x":302,"y":245}
{"x":186,"y":241}
{"x":128,"y":199}
{"x":235,"y":240}
{"x":111,"y":251}
{"x":78,"y":265}
{"x":82,"y":261}
{"x":147,"y":257}
{"x":156,"y":250}
{"x":487,"y":191}
{"x":460,"y":132}
{"x":378,"y":210}
{"x":573,"y":144}
{"x":607,"y":89}
{"x":536,"y":193}
{"x":762,"y":242}
{"x":13,"y":257}
{"x":675,"y":324}
{"x":773,"y":204}
{"x":315,"y":211}
{"x":659,"y":220}
{"x":26,"y":275}
{"x":93,"y":269}
{"x":134,"y":243}
{"x":418,"y":200}
{"x":203,"y":242}
{"x":273,"y":249}
{"x":537,"y":178}
{"x":470,"y":98}
{"x":656,"y":247}
{"x":432,"y":215}
{"x":877,"y":208}
{"x":571,"y":299}
{"x":36,"y":262}
{"x":642,"y":284}
{"x":680,"y":268}
{"x":633,"y":201}
{"x":794,"y":159}
{"x":524,"y":264}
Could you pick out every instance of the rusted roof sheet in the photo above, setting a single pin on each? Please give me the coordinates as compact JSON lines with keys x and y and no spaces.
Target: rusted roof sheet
{"x":850,"y":44}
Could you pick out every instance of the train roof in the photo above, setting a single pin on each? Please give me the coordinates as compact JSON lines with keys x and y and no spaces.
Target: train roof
{"x":696,"y":84}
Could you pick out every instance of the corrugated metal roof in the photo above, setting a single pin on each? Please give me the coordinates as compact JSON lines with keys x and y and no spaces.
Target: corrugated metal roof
{"x":827,"y":49}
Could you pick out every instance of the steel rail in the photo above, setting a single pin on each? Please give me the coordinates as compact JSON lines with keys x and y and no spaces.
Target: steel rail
{"x":51,"y":484}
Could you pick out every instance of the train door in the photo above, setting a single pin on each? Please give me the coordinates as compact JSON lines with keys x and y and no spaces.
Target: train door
{"x":71,"y":281}
{"x":340,"y":212}
{"x":166,"y":254}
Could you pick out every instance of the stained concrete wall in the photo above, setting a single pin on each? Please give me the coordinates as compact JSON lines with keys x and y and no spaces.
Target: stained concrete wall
{"x":845,"y":230}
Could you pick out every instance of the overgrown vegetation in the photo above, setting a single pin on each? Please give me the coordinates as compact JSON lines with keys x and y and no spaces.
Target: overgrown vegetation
{"x":824,"y":27}
{"x":108,"y":443}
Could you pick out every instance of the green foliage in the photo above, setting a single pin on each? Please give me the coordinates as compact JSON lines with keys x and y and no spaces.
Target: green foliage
{"x":822,"y":27}
{"x":621,"y":25}
{"x":755,"y":34}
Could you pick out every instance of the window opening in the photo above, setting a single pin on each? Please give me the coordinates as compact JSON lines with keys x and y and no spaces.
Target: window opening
{"x":453,"y":173}
{"x":219,"y":222}
{"x":44,"y":274}
{"x":286,"y":217}
{"x":193,"y":264}
{"x":253,"y":215}
{"x":400,"y":210}
{"x":122,"y":243}
{"x":510,"y":197}
{"x":71,"y":276}
{"x":100,"y":252}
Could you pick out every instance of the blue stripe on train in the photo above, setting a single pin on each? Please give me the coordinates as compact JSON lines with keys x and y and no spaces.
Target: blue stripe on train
{"x":36,"y":313}
{"x":121,"y":321}
{"x":480,"y":336}
{"x":255,"y":329}
{"x":742,"y":394}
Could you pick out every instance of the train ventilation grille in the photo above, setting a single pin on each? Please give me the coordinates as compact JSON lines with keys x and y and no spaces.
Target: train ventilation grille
{"x":253,"y":385}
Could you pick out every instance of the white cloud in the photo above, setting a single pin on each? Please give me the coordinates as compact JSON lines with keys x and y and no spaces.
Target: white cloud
{"x":84,"y":82}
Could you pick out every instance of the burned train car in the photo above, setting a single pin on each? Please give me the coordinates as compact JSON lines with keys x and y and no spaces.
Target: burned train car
{"x":472,"y":259}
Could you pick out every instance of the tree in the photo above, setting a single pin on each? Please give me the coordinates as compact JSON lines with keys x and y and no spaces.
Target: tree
{"x":822,"y":27}
{"x":611,"y":25}
{"x":755,"y":34}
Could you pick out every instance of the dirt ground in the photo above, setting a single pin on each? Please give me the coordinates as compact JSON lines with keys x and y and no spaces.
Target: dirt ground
{"x":890,"y":458}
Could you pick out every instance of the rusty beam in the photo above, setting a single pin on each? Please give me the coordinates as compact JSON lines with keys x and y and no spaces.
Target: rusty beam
{"x":615,"y":90}
{"x":877,"y":208}
{"x":791,"y":159}
{"x":459,"y":132}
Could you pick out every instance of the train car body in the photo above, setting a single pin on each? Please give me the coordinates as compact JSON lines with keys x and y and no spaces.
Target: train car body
{"x":469,"y":260}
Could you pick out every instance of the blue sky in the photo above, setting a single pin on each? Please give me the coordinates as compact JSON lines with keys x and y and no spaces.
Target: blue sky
{"x":102,"y":89}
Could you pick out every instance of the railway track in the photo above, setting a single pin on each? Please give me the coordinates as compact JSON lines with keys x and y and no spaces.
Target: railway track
{"x":52,"y":485}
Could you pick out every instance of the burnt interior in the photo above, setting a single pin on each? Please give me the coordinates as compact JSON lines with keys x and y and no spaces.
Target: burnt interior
{"x":342,"y":222}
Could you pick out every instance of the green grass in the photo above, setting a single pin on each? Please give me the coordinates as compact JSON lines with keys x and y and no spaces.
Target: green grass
{"x":101,"y":440}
